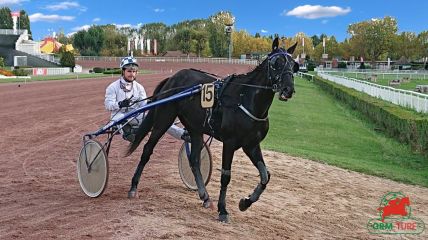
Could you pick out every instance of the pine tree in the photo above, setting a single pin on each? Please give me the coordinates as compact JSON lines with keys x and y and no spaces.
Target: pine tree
{"x":6,"y":21}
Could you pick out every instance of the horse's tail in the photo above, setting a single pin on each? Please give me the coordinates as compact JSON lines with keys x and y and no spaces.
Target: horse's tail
{"x":147,"y":123}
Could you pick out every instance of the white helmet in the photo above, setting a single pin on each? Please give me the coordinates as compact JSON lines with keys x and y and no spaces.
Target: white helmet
{"x":128,"y":61}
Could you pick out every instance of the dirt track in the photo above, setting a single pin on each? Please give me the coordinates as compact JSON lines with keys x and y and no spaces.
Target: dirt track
{"x":40,"y":198}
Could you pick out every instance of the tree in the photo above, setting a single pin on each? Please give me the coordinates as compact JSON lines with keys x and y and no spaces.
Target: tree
{"x":5,"y":18}
{"x":199,"y":39}
{"x":62,"y":38}
{"x":218,"y":39}
{"x":423,"y":41}
{"x":307,"y":49}
{"x":89,"y":42}
{"x":158,"y":31}
{"x":67,"y":59}
{"x":183,"y":38}
{"x":406,"y":44}
{"x":114,"y":43}
{"x":375,"y":36}
{"x":244,"y":43}
{"x":24,"y":22}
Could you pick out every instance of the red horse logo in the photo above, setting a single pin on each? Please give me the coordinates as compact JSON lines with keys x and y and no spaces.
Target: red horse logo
{"x":395,"y":207}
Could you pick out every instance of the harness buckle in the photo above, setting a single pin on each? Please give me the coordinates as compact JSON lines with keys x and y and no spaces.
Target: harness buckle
{"x":275,"y":87}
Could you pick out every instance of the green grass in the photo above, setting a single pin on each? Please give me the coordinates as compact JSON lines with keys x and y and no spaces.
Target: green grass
{"x":313,"y":125}
{"x":386,"y":78}
{"x":64,"y":77}
{"x":53,"y":77}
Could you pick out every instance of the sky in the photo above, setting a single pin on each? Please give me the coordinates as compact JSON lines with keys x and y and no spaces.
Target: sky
{"x":268,"y":17}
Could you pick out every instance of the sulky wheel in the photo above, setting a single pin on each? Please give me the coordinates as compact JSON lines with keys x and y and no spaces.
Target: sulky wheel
{"x":92,"y":168}
{"x":185,"y":171}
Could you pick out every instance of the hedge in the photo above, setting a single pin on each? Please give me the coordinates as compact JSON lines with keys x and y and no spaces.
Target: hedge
{"x":405,"y":125}
{"x":98,"y":70}
{"x":113,"y":71}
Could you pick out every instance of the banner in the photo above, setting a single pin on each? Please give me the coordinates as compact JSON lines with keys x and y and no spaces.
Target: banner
{"x":39,"y":71}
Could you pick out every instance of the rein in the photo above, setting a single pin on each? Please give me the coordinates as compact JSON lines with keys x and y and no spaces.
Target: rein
{"x":274,"y":86}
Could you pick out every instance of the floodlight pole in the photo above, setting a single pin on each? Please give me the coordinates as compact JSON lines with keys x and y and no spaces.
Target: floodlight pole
{"x":230,"y":46}
{"x":229,"y":31}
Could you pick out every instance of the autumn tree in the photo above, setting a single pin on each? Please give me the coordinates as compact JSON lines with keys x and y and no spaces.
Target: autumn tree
{"x":373,"y":37}
{"x":218,"y":40}
{"x":304,"y":44}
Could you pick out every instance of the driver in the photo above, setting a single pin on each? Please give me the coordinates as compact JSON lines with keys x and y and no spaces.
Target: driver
{"x":125,"y":94}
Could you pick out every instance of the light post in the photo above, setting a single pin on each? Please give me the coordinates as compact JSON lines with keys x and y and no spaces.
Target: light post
{"x":324,"y":55}
{"x":229,"y":30}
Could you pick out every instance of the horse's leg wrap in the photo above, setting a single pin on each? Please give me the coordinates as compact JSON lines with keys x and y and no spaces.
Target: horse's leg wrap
{"x":221,"y":205}
{"x":257,"y":192}
{"x":264,"y":178}
{"x":245,"y":203}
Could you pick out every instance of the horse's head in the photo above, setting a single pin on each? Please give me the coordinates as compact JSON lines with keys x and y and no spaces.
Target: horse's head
{"x":281,"y":67}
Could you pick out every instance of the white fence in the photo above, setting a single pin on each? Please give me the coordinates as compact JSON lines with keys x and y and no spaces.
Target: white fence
{"x":50,"y":71}
{"x":306,"y":75}
{"x":410,"y":99}
{"x":11,"y":32}
{"x":381,"y":74}
{"x":172,"y":59}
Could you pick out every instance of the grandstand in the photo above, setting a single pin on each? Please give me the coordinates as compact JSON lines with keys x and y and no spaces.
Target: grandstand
{"x":16,"y":43}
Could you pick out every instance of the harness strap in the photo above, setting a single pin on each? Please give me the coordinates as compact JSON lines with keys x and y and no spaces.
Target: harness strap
{"x":251,"y":115}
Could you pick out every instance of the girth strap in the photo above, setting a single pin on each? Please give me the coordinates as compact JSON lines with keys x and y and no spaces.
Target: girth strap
{"x":251,"y":115}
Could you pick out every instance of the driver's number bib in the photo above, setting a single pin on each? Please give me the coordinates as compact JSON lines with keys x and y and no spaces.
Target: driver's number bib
{"x":207,"y":95}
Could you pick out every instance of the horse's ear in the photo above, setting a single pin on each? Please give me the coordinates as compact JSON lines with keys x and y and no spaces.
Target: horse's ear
{"x":275,"y":43}
{"x":291,"y":49}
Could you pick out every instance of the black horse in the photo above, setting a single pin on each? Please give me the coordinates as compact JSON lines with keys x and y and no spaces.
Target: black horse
{"x":239,"y":118}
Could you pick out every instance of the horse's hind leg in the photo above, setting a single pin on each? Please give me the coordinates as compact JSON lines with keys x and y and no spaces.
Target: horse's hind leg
{"x":157,"y":132}
{"x":255,"y":155}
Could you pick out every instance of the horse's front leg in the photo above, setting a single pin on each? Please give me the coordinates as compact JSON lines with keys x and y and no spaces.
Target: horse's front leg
{"x":195,"y":165}
{"x":226,"y":164}
{"x":255,"y":155}
{"x":145,"y":157}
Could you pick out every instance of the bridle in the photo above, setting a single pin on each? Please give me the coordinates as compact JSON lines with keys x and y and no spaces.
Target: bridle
{"x":277,"y":79}
{"x":274,"y":80}
{"x":274,"y":83}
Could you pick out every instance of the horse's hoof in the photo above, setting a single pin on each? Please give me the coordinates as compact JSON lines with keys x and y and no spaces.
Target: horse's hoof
{"x":224,"y":218}
{"x":208,"y":204}
{"x":132,"y":194}
{"x":244,"y":204}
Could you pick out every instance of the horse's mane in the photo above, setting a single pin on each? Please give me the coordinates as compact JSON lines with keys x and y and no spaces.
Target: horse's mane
{"x":253,"y":70}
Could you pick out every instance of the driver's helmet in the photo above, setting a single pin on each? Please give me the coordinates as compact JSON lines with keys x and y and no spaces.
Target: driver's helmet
{"x":128,"y":62}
